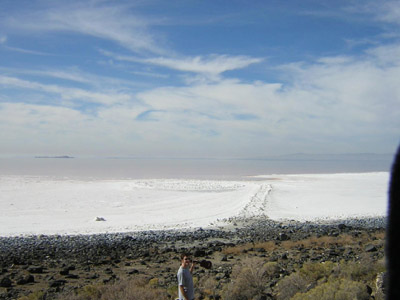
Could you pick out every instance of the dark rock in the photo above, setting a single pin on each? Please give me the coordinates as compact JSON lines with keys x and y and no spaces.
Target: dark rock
{"x":199,"y":253}
{"x":332,"y":252}
{"x":64,"y":272}
{"x":348,"y":252}
{"x":283,"y":237}
{"x":57,"y":283}
{"x":369,"y":289}
{"x":110,"y":279}
{"x":71,"y":268}
{"x":94,"y":276}
{"x":128,"y":239}
{"x":25,"y":279}
{"x":224,"y":258}
{"x":5,"y":282}
{"x":370,"y":248}
{"x":35,"y":269}
{"x":316,"y":258}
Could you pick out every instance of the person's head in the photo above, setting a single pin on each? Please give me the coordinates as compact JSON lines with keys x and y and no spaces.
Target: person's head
{"x":185,"y":259}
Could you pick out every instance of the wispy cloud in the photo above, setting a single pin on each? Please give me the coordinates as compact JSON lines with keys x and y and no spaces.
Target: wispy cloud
{"x":65,"y":93}
{"x":3,"y":43}
{"x":351,"y":43}
{"x":332,"y":104}
{"x":27,"y":51}
{"x":335,"y":97}
{"x":211,"y":65}
{"x":388,"y":11}
{"x":110,"y":22}
{"x":75,"y":75}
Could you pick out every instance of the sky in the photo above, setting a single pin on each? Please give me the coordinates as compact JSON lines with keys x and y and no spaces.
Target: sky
{"x":191,"y":78}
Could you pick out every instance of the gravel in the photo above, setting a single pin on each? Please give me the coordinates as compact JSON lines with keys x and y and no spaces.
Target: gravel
{"x":92,"y":248}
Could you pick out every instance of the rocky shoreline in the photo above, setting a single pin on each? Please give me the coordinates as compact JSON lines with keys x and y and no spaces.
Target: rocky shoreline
{"x":62,"y":263}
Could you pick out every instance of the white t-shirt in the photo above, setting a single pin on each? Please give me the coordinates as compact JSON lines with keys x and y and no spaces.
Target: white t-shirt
{"x":185,"y":279}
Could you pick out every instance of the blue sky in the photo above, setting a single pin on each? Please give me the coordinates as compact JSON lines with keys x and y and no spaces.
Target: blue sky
{"x":219,"y":79}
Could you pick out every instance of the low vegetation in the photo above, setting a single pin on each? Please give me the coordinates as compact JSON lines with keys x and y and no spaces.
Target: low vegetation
{"x":313,"y":241}
{"x":138,"y":289}
{"x":325,"y":267}
{"x":249,"y":280}
{"x":328,"y":280}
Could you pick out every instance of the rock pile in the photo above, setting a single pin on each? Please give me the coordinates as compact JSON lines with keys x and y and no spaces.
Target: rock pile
{"x":53,"y":264}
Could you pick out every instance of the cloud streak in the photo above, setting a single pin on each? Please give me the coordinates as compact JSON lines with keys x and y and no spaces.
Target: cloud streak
{"x":100,"y":20}
{"x":65,"y":92}
{"x":211,"y":66}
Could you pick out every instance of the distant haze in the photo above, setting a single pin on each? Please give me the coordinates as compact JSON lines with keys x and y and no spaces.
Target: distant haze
{"x":122,"y":168}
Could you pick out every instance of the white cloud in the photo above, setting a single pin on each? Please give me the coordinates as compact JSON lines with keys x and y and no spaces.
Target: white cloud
{"x":28,"y":114}
{"x":47,"y":129}
{"x":66,"y":93}
{"x":212,"y":64}
{"x":388,"y":55}
{"x":388,"y":11}
{"x":75,"y":74}
{"x":27,"y":51}
{"x":337,"y":104}
{"x":34,"y":128}
{"x":110,"y":22}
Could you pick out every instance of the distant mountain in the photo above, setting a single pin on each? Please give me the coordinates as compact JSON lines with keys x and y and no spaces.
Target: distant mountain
{"x":334,"y":157}
{"x":63,"y":156}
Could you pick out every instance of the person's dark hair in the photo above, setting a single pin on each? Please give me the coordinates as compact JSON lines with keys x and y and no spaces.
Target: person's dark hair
{"x":185,"y":254}
{"x":393,"y":231}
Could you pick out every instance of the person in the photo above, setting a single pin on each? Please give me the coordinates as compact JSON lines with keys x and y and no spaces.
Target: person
{"x":185,"y":279}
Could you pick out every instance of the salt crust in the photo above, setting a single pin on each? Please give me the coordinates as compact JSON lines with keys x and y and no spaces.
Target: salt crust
{"x":45,"y":205}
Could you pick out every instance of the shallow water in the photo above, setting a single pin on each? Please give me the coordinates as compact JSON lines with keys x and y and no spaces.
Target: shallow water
{"x":107,"y":168}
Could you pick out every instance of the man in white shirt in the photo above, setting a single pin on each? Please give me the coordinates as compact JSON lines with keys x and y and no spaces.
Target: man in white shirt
{"x":185,"y":280}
